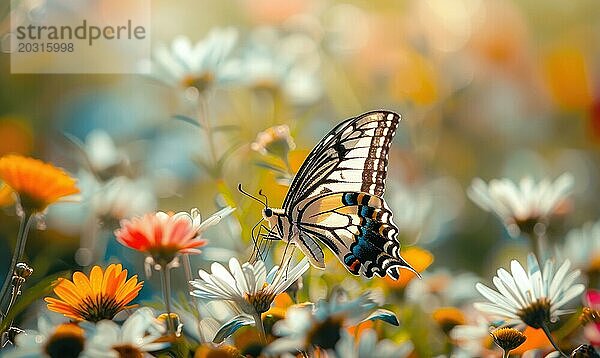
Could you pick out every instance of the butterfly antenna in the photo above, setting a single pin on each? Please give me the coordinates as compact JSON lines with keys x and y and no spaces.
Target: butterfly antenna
{"x":250,"y":195}
{"x":264,"y":196}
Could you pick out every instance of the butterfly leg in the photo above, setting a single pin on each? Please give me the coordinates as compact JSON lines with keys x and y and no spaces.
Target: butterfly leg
{"x":257,"y":239}
{"x":290,"y":256}
{"x":262,"y":242}
{"x":254,"y":237}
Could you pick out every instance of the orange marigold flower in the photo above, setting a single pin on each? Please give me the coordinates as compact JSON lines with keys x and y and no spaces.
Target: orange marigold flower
{"x":101,"y":296}
{"x":160,"y":235}
{"x":6,"y":195}
{"x":38,"y":184}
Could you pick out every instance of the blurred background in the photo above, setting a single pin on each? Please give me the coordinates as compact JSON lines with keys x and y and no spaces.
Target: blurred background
{"x":486,"y":89}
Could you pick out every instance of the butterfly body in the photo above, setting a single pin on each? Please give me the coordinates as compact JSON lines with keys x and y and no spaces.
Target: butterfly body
{"x":336,"y":198}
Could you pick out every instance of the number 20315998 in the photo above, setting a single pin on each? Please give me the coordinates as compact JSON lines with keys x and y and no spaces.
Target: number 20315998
{"x":45,"y":47}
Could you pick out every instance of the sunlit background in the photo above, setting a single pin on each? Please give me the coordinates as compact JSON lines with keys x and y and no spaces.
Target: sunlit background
{"x":486,"y":89}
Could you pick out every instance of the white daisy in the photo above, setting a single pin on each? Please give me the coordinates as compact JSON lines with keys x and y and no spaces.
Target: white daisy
{"x":248,"y":286}
{"x":322,"y":325}
{"x":138,"y":335}
{"x":102,"y":155}
{"x":287,"y":62}
{"x":209,"y":321}
{"x":521,"y":207}
{"x":367,"y":346}
{"x":533,"y":297}
{"x":122,"y":197}
{"x":470,"y":338}
{"x":442,"y":288}
{"x":196,"y":219}
{"x":49,"y":340}
{"x":198,"y":66}
{"x":582,"y":247}
{"x":415,"y":207}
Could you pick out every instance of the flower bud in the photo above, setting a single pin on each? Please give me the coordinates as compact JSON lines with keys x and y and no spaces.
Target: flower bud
{"x":22,"y":270}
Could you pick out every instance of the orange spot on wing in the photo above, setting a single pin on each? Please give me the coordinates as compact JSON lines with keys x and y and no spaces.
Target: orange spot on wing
{"x":354,"y":266}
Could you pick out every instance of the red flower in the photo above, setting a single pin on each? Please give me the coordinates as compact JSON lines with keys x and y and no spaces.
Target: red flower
{"x":591,"y":317}
{"x":161,"y":236}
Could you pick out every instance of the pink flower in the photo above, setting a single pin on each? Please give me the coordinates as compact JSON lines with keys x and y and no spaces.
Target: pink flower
{"x":591,"y":317}
{"x":161,"y":236}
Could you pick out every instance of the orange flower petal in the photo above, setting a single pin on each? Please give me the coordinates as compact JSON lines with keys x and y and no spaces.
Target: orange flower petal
{"x":536,"y":339}
{"x":96,"y":277}
{"x":82,"y":284}
{"x":93,"y":298}
{"x":38,"y":184}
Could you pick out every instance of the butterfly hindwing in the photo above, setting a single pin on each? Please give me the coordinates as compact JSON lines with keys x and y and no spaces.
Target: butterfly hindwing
{"x":357,"y":227}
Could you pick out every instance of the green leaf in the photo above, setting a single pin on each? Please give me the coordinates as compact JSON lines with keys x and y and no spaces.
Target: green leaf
{"x":383,"y":315}
{"x":233,"y":325}
{"x":226,"y":128}
{"x":179,"y":348}
{"x":228,"y":152}
{"x":187,"y":119}
{"x":30,"y":295}
{"x":272,"y":167}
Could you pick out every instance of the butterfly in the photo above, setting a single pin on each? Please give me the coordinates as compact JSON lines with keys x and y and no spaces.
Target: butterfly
{"x":336,"y":198}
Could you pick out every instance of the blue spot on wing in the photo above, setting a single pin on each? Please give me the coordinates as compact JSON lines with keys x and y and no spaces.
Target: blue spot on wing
{"x":350,"y":199}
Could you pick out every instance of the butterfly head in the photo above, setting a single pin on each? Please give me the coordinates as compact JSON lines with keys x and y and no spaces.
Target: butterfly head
{"x":275,"y":218}
{"x":267,"y":213}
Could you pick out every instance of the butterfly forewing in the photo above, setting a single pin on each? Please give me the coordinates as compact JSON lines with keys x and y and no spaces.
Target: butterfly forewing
{"x":352,"y":157}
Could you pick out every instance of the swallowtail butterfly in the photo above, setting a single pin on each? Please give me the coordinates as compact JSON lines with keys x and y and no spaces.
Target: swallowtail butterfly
{"x":336,"y":198}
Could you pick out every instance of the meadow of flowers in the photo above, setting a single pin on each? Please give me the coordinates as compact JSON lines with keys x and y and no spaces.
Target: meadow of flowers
{"x":124,"y":231}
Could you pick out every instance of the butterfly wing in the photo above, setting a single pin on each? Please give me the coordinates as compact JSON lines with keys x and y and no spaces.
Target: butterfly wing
{"x":353,"y":156}
{"x":357,"y":227}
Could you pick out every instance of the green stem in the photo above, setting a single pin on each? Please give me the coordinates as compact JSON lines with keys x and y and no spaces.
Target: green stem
{"x":261,"y":327}
{"x":187,"y":267}
{"x":16,"y":290}
{"x":204,"y":120}
{"x":541,"y":247}
{"x":24,"y":226}
{"x":536,"y":245}
{"x":546,"y":330}
{"x":505,"y":353}
{"x":166,"y":286}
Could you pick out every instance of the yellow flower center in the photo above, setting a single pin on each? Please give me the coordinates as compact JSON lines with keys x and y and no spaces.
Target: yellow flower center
{"x":589,"y":316}
{"x":508,"y":338}
{"x":536,"y":313}
{"x":224,"y":351}
{"x":261,"y":301}
{"x":67,"y":341}
{"x":200,"y":82}
{"x":448,"y":318}
{"x":128,"y":351}
{"x":594,"y":265}
{"x":95,"y":309}
{"x":325,"y":334}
